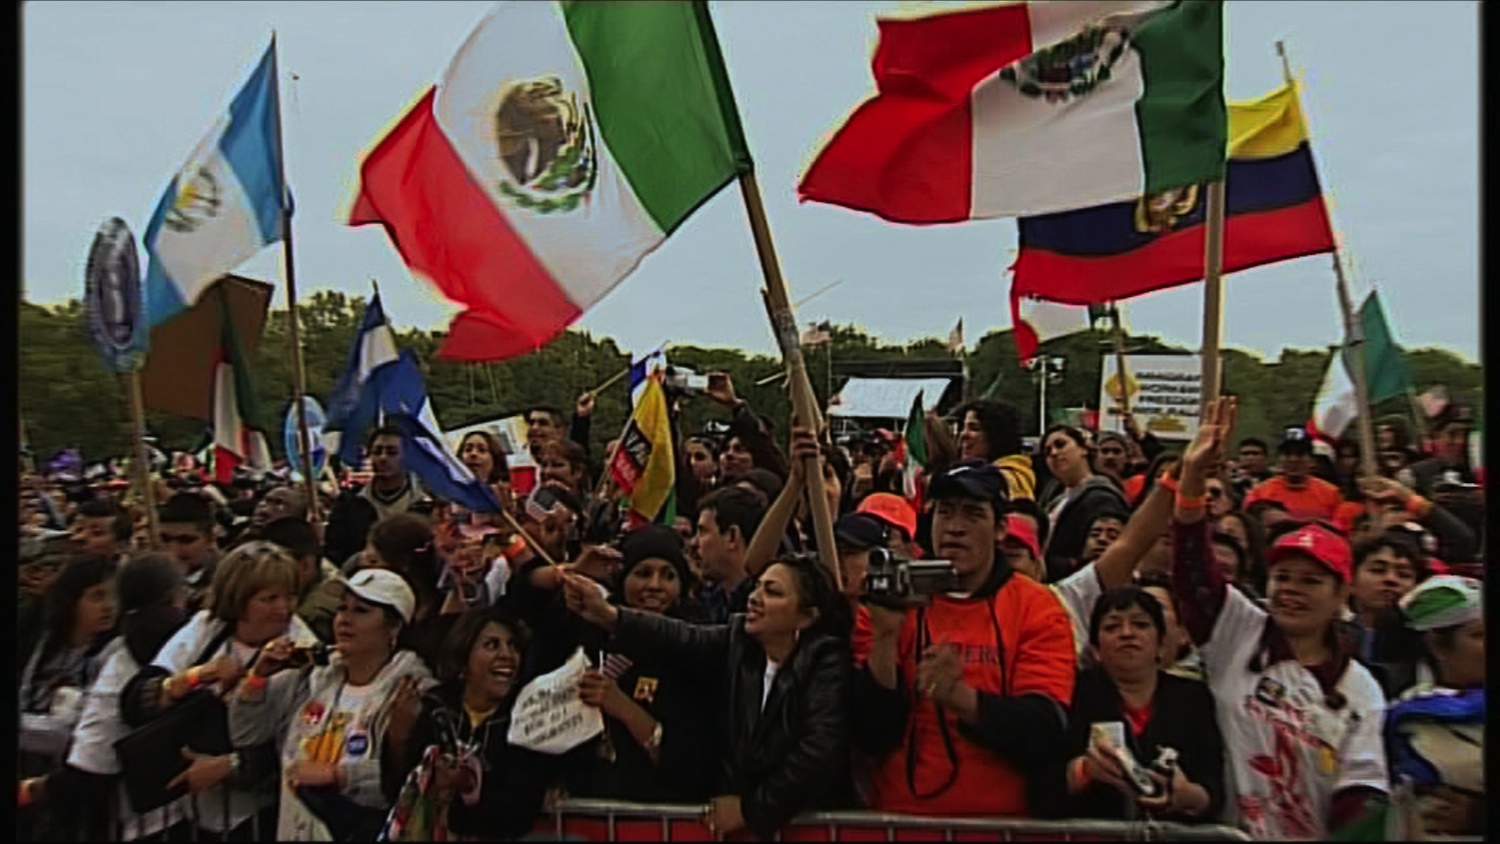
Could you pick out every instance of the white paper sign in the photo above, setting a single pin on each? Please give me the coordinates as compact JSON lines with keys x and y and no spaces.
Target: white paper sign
{"x":549,"y":717}
{"x":1164,"y":393}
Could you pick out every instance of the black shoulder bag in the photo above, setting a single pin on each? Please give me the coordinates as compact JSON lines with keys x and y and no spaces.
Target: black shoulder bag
{"x":151,"y":756}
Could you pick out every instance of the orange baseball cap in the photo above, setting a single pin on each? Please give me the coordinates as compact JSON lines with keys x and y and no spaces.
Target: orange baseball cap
{"x":891,"y":509}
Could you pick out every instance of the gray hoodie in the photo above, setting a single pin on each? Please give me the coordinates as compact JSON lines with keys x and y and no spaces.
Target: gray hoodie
{"x":315,"y":714}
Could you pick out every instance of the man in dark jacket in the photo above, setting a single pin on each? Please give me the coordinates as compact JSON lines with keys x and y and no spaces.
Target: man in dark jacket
{"x":1447,"y":478}
{"x":988,"y":669}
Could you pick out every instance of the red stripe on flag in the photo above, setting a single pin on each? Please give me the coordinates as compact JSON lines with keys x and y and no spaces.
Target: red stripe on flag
{"x":446,"y":227}
{"x":906,"y":154}
{"x":1250,"y":240}
{"x":1022,"y":333}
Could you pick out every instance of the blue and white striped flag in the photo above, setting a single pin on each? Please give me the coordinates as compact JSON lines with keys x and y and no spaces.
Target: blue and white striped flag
{"x":355,"y":402}
{"x":224,"y":205}
{"x":641,"y":370}
{"x":424,"y":452}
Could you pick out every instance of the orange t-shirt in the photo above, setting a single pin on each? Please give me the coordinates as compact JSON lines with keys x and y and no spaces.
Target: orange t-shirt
{"x":1316,"y":499}
{"x":1036,"y":655}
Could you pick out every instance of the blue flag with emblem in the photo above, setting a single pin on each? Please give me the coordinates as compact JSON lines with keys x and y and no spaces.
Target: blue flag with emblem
{"x":225,"y":204}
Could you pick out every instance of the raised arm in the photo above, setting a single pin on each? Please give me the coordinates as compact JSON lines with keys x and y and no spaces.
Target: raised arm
{"x":767,"y":539}
{"x":1198,"y":587}
{"x":1116,"y":566}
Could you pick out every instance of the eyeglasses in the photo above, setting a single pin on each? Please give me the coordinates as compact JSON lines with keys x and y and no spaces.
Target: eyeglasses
{"x":1215,"y":492}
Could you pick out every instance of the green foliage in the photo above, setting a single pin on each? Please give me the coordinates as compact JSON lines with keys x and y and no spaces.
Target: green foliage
{"x":68,"y":398}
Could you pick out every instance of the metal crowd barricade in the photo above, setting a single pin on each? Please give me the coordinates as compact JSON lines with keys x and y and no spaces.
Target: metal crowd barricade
{"x":608,"y":820}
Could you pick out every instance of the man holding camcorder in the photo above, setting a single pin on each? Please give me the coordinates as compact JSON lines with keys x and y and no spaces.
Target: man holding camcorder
{"x":963,"y":699}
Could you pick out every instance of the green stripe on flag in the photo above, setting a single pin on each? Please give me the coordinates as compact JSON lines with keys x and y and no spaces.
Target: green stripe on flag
{"x":1386,"y":374}
{"x":662,"y":99}
{"x":244,"y":382}
{"x":1184,"y":122}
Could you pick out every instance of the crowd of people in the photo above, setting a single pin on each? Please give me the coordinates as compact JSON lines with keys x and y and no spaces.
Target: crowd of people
{"x":1257,"y":635}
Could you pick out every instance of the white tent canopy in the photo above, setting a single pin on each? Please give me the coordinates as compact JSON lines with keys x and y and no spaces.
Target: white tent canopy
{"x":886,"y":398}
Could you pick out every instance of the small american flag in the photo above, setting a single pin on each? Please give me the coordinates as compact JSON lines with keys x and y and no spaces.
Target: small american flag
{"x":615,"y":665}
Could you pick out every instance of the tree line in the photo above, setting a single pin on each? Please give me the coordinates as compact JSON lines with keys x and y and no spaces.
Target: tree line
{"x":68,"y":399}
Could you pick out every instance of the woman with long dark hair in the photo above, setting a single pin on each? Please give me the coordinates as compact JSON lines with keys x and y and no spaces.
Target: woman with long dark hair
{"x":78,"y":621}
{"x":495,"y":790}
{"x":153,"y":604}
{"x":1073,"y":498}
{"x":783,"y":668}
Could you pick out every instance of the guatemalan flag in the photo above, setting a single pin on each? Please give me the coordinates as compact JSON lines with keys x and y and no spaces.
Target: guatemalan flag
{"x":225,"y":204}
{"x":355,"y":404}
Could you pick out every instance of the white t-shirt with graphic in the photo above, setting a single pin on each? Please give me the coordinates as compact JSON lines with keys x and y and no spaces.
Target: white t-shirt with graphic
{"x":1286,"y":752}
{"x":332,"y":732}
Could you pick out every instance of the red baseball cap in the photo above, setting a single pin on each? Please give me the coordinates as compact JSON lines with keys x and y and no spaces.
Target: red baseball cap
{"x":1319,"y":544}
{"x":891,"y":509}
{"x":1020,"y":530}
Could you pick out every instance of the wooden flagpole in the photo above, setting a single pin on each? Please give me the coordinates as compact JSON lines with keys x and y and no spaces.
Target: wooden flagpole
{"x":142,"y":462}
{"x":1213,"y":291}
{"x":804,"y":401}
{"x":289,"y":269}
{"x":1354,"y":332}
{"x":1120,"y":372}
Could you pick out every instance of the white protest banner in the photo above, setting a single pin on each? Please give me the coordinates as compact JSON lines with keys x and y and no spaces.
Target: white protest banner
{"x":549,"y":717}
{"x":1164,"y":392}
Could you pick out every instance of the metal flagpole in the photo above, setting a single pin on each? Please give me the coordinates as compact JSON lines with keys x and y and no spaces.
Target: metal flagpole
{"x":1354,"y":333}
{"x":289,"y":269}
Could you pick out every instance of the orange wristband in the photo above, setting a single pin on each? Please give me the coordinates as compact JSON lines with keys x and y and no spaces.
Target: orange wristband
{"x":1418,"y":506}
{"x":1197,"y":502}
{"x":194,"y":677}
{"x":252,"y":686}
{"x":1167,"y":482}
{"x":1078,"y":774}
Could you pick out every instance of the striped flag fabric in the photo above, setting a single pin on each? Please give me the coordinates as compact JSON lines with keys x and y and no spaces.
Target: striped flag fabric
{"x":224,"y":205}
{"x":640,"y":370}
{"x":1337,"y":402}
{"x":239,"y":439}
{"x":1009,"y":109}
{"x":1273,"y":211}
{"x":424,"y":451}
{"x":643,"y":465}
{"x":565,"y":142}
{"x":1035,"y":321}
{"x":615,"y":666}
{"x":914,"y":452}
{"x":354,"y":404}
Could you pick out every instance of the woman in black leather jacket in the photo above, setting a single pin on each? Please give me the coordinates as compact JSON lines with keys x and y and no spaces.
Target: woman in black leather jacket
{"x":784,"y":670}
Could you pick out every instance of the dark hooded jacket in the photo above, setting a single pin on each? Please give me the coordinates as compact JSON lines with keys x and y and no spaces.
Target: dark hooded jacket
{"x":1070,"y":531}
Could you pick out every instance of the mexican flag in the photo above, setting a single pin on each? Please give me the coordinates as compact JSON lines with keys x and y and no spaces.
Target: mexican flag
{"x":914,"y":447}
{"x":1013,"y":109}
{"x":238,"y":439}
{"x":565,"y":142}
{"x":1337,"y":402}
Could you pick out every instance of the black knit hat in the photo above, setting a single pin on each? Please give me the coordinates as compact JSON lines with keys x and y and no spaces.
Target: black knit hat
{"x":654,"y":541}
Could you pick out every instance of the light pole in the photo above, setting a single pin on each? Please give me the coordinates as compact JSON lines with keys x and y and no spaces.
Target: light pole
{"x":1044,"y":370}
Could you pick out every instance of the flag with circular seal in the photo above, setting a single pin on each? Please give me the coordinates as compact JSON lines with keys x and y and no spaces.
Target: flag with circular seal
{"x":112,"y":296}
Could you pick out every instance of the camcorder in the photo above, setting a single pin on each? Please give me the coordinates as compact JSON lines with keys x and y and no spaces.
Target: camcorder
{"x":307,"y":655}
{"x":897,"y":582}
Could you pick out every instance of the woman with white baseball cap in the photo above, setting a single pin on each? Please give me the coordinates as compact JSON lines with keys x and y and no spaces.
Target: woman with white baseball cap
{"x":331,"y":718}
{"x":1435,"y":734}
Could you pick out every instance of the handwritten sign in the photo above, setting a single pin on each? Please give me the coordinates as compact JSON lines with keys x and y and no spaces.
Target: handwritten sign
{"x":549,"y":716}
{"x":1164,"y":392}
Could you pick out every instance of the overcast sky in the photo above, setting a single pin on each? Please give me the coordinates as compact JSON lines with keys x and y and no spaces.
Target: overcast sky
{"x":118,"y":93}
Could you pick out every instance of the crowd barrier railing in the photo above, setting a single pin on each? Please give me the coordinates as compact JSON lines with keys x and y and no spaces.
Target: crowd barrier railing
{"x":608,"y":820}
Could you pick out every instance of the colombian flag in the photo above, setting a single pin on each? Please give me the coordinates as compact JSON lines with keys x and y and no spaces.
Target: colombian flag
{"x":1273,"y":211}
